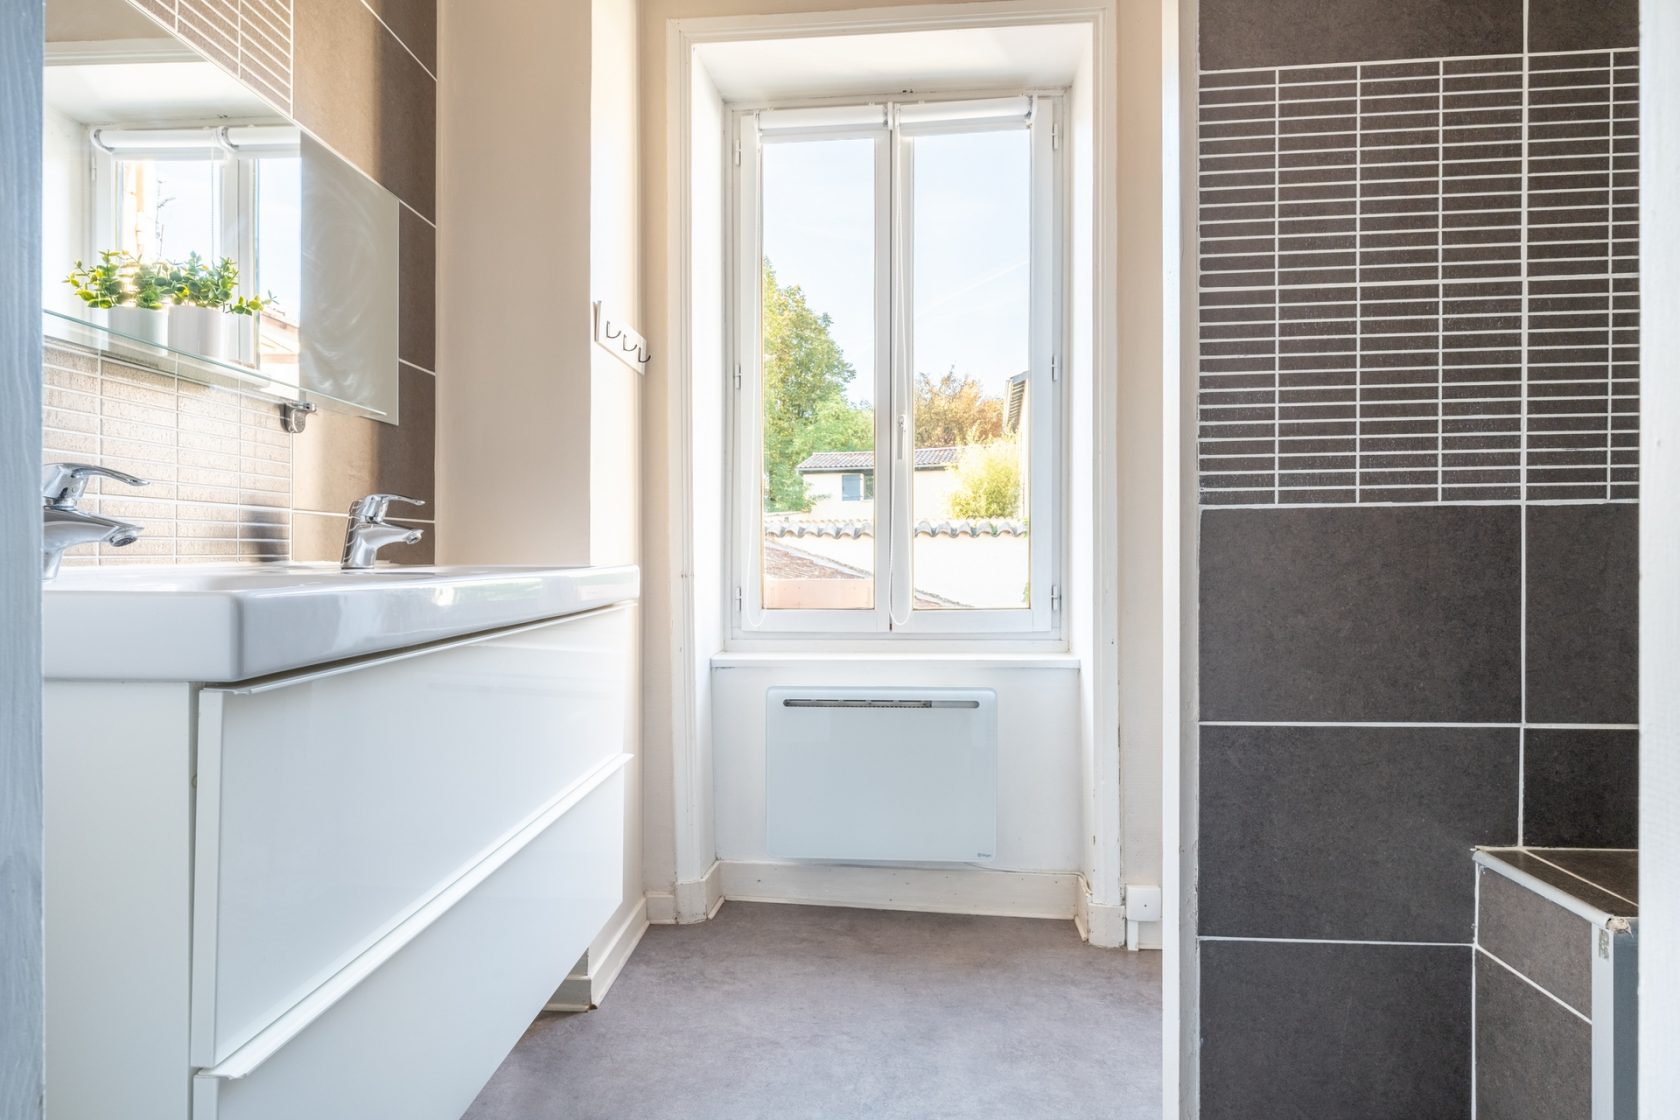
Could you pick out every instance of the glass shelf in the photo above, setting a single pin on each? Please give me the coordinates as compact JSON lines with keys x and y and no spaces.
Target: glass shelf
{"x":214,"y":372}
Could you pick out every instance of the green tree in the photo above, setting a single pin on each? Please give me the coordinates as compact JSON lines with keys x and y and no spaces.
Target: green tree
{"x":988,"y":481}
{"x":805,"y":407}
{"x":955,"y":411}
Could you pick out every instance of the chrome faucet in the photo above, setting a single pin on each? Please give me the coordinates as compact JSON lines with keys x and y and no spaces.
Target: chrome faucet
{"x":369,"y":531}
{"x":64,"y":526}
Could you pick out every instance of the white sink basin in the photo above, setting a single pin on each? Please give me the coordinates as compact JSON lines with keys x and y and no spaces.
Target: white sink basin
{"x":231,"y":622}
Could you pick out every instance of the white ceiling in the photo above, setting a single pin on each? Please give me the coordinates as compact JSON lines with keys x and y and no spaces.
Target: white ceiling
{"x":150,"y":93}
{"x":1038,"y":57}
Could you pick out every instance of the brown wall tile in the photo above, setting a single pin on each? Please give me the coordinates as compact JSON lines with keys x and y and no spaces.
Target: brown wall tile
{"x":340,"y":458}
{"x":414,"y":22}
{"x":417,"y":272}
{"x":359,"y":90}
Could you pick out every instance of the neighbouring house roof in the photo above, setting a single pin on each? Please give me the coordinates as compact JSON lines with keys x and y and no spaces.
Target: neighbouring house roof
{"x":782,"y":561}
{"x":823,"y":462}
{"x":862,"y":527}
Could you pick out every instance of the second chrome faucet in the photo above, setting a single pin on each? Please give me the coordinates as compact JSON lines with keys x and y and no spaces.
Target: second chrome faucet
{"x":368,"y":530}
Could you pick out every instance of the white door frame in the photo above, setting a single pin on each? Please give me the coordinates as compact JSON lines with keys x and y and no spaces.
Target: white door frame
{"x":22,"y":1030}
{"x":1659,"y":566}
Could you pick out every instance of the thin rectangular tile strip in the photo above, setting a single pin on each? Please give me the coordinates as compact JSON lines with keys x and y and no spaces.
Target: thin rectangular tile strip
{"x":1419,"y":281}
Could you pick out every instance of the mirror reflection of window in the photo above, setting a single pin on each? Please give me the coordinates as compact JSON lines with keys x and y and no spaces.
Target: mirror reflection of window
{"x":168,"y":209}
{"x":279,"y":220}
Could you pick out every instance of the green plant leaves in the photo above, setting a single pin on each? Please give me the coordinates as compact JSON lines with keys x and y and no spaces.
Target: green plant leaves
{"x":122,"y":280}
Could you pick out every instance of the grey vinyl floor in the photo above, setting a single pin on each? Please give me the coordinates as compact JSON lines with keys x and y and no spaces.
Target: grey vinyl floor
{"x":795,"y":1012}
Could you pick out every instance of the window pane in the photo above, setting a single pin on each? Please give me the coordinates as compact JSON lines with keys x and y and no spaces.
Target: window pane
{"x":819,"y":375}
{"x":971,"y":310}
{"x":279,"y":261}
{"x":168,"y":208}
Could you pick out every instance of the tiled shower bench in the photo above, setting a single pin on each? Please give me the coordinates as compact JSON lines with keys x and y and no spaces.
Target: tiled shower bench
{"x":1556,"y":983}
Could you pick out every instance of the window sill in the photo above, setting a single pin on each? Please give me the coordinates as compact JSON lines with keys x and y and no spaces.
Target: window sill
{"x":758,"y":659}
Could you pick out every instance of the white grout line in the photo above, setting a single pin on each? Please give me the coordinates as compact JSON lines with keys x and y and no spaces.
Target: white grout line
{"x":414,"y":366}
{"x":1491,"y":725}
{"x":400,"y":40}
{"x":1483,"y":952}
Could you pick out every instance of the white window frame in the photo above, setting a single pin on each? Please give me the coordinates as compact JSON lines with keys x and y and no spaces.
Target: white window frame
{"x":234,"y":230}
{"x":893,"y":126}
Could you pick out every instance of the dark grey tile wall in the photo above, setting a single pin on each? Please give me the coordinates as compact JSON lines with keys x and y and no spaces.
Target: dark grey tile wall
{"x":1581,"y":788}
{"x":1310,"y":1031}
{"x":1350,"y":833}
{"x":1583,"y":613}
{"x":1418,"y":542}
{"x":1533,"y":1056}
{"x":1537,"y":937}
{"x":1345,"y":614}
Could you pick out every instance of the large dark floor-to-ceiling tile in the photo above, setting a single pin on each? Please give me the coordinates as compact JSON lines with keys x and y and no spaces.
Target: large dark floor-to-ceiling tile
{"x":1583,"y":614}
{"x":1403,"y":614}
{"x":1582,"y":25}
{"x":1533,"y":1055}
{"x":1581,"y":788}
{"x":1238,"y":33}
{"x":1305,"y":1031}
{"x":809,"y":1013}
{"x":1356,"y":833}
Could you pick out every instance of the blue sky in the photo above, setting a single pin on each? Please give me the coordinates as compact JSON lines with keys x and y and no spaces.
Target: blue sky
{"x":971,"y":219}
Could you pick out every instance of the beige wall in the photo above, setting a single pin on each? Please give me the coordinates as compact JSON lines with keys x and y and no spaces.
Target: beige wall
{"x":1136,"y":310}
{"x":513,"y":264}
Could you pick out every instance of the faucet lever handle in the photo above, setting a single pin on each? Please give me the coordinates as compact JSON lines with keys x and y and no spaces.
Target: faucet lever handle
{"x":62,"y":484}
{"x":374,"y":507}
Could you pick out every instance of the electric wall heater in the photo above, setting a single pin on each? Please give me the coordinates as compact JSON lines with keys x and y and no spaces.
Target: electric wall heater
{"x":881,"y":773}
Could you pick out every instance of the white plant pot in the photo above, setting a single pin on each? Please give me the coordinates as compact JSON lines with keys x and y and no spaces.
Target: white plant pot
{"x":199,"y":330}
{"x":141,"y":328}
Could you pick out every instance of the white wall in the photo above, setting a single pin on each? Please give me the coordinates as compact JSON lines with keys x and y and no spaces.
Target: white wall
{"x":615,"y":390}
{"x":1039,"y":787}
{"x":1659,"y":565}
{"x":21,"y":1027}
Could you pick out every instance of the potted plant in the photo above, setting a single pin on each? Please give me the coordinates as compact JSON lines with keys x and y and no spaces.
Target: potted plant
{"x":130,"y":291}
{"x":204,"y":295}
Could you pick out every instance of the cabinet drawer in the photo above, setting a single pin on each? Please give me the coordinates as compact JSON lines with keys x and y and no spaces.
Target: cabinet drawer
{"x":331,"y":805}
{"x":417,"y":1032}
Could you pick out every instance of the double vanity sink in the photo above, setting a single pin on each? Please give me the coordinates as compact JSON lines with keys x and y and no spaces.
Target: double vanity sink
{"x":322,"y":843}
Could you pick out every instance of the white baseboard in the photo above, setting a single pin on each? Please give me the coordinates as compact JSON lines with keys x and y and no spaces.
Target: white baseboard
{"x":955,"y":890}
{"x":1144,"y":935}
{"x":661,"y":908}
{"x":699,"y":899}
{"x":1100,"y":924}
{"x":585,"y":991}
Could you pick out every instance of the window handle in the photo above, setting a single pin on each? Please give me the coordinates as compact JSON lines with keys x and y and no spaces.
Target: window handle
{"x":903,"y":434}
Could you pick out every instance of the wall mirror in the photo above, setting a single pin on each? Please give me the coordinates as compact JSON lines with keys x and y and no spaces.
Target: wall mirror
{"x":191,"y":227}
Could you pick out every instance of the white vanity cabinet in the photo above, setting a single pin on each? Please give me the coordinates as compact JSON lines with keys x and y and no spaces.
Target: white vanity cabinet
{"x":340,"y":892}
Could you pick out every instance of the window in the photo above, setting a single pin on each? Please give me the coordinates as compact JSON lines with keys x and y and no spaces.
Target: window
{"x":897,"y":431}
{"x":164,"y":194}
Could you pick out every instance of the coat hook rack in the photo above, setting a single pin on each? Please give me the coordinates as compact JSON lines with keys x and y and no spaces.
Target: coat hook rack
{"x":632,"y":348}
